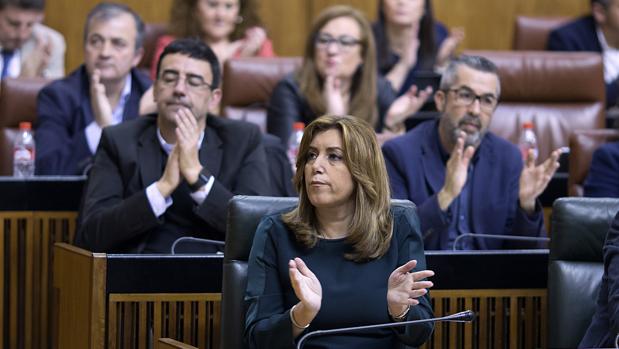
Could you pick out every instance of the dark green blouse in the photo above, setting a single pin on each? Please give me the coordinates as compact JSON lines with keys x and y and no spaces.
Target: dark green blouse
{"x":354,"y":294}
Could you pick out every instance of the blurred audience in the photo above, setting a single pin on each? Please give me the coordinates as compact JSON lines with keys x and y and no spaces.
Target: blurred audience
{"x":29,"y":48}
{"x":597,"y":32}
{"x":231,"y":28}
{"x":603,"y":177}
{"x":339,"y":76}
{"x":103,"y":91}
{"x":463,"y":178}
{"x":409,"y":40}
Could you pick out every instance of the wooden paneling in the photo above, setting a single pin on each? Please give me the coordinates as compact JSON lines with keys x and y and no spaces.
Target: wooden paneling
{"x":504,"y":319}
{"x":136,"y":319}
{"x":488,"y":23}
{"x":26,"y":274}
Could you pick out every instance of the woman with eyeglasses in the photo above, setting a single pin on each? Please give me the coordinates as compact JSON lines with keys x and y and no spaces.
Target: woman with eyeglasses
{"x":231,"y":28}
{"x":410,"y":42}
{"x":339,"y":76}
{"x":343,"y":257}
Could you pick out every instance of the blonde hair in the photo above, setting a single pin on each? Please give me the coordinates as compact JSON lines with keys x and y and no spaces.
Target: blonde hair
{"x":370,"y":230}
{"x":363,"y":87}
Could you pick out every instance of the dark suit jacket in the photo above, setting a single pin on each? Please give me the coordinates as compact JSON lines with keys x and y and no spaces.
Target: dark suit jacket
{"x":417,"y":173}
{"x":603,"y":178}
{"x":581,"y":35}
{"x":116,"y":215}
{"x":605,"y":323}
{"x":64,"y":111}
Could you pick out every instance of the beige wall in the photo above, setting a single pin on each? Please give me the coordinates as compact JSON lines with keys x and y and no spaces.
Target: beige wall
{"x":488,"y":23}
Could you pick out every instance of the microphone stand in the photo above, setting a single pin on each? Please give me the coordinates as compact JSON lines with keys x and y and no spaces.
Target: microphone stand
{"x":499,"y":237}
{"x":463,"y":316}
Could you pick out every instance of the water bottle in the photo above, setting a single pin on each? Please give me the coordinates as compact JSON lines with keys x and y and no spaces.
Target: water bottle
{"x":527,"y":141}
{"x":23,"y":152}
{"x":295,"y":142}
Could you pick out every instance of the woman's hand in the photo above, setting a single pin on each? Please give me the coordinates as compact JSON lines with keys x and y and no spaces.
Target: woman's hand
{"x":448,"y":47}
{"x":406,"y":105}
{"x":403,"y":287}
{"x":252,"y":42}
{"x":307,"y":288}
{"x":305,"y":284}
{"x":335,"y":100}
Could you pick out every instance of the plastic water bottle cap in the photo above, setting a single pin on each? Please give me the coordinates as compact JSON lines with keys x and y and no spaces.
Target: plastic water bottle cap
{"x":528,"y":125}
{"x":25,"y":125}
{"x":298,"y":126}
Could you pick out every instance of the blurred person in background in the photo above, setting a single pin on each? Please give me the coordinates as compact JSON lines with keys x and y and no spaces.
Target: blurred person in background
{"x":409,"y":40}
{"x":339,"y":76}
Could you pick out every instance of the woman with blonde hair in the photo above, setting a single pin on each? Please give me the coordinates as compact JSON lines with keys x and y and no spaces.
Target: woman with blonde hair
{"x":339,"y":76}
{"x":344,"y":256}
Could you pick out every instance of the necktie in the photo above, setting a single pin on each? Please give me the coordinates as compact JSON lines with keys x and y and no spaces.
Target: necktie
{"x":6,"y":60}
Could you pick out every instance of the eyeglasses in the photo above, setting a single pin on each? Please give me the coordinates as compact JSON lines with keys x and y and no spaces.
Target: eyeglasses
{"x":193,"y":82}
{"x":344,"y":42}
{"x":466,"y":97}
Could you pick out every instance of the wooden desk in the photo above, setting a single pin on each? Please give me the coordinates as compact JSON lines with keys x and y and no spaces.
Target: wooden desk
{"x":129,"y":301}
{"x":34,"y":214}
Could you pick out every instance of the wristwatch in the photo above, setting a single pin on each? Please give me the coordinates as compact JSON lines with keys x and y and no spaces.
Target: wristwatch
{"x":203,"y":178}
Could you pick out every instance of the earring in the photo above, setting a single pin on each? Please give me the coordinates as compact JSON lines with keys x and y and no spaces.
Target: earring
{"x":239,"y":19}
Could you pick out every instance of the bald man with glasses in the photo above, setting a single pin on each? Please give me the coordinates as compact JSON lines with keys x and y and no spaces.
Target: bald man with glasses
{"x":464,"y":179}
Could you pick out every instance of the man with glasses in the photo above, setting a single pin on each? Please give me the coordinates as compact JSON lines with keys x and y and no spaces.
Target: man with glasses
{"x":104,"y":91}
{"x":162,"y":177}
{"x":464,"y":179}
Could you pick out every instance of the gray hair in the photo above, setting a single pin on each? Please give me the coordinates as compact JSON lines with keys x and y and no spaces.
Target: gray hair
{"x":107,"y":10}
{"x":474,"y":62}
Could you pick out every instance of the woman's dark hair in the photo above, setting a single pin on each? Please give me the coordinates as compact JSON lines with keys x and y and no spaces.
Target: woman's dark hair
{"x":427,"y":42}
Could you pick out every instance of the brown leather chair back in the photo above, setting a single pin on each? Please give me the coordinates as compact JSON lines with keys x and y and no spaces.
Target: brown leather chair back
{"x":152,"y":32}
{"x":247,"y":86}
{"x":559,"y":91}
{"x":531,"y":33}
{"x":18,"y":101}
{"x":582,"y":145}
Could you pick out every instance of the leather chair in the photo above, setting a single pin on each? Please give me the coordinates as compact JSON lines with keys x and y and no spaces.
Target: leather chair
{"x":531,"y":33}
{"x":575,"y":266}
{"x":18,"y":102}
{"x":247,"y":85}
{"x":583,"y":144}
{"x":152,"y":32}
{"x":559,"y":91}
{"x":244,"y":214}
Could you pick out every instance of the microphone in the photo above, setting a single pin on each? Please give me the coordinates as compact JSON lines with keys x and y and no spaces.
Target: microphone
{"x":463,"y":316}
{"x":498,"y":237}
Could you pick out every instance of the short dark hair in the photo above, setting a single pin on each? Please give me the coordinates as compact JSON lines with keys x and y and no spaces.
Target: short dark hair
{"x":194,"y":48}
{"x":474,"y":62}
{"x":107,"y":10}
{"x":36,"y":5}
{"x":601,"y":2}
